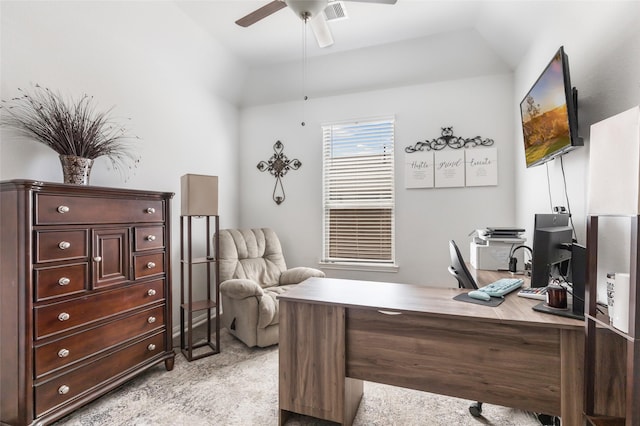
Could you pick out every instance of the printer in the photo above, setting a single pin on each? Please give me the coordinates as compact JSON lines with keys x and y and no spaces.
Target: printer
{"x":492,"y":247}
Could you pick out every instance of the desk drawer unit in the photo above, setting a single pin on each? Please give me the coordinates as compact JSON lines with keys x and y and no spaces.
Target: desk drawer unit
{"x":311,"y":340}
{"x":89,"y":268}
{"x":456,"y":357}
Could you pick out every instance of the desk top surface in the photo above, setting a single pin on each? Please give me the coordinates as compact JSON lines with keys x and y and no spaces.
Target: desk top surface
{"x":421,"y":300}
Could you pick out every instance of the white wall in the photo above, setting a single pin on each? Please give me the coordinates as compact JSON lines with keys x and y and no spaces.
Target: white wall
{"x":603,"y":48}
{"x":145,"y":58}
{"x":425,"y":218}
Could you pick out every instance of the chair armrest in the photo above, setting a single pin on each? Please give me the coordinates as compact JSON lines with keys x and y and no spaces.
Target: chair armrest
{"x":240,"y":288}
{"x":299,"y":274}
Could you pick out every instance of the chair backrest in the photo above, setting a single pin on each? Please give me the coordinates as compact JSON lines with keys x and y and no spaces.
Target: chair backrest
{"x":459,"y":270}
{"x":253,"y":254}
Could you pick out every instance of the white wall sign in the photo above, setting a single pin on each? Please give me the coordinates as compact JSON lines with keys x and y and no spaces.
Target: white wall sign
{"x":481,"y":167}
{"x":418,"y":171}
{"x":449,"y":168}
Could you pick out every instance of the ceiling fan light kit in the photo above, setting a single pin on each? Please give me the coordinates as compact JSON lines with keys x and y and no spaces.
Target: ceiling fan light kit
{"x":306,"y":9}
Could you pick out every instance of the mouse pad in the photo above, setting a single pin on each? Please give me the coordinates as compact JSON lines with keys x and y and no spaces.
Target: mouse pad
{"x":495,"y":301}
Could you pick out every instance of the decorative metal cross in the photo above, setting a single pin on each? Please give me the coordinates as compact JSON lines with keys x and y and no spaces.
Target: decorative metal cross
{"x":278,"y":166}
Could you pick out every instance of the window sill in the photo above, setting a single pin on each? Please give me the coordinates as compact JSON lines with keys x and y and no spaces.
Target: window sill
{"x":368,"y":267}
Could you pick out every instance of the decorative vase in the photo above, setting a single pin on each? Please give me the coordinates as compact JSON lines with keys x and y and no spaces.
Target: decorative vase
{"x":76,"y":170}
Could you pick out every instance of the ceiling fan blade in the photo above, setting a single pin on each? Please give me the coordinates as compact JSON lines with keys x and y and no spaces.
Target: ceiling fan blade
{"x":261,"y":13}
{"x":375,"y":1}
{"x":321,"y":30}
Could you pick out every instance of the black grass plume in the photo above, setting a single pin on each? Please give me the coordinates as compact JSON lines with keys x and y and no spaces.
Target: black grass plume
{"x":70,"y":127}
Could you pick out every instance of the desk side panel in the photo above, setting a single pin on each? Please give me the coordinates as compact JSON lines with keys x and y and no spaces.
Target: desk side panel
{"x":610,"y":373}
{"x":571,"y":365}
{"x":312,"y":363}
{"x":475,"y":360}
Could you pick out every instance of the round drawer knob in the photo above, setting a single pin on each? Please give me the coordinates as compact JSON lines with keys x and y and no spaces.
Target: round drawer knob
{"x":64,"y":389}
{"x":63,"y":353}
{"x":97,"y":259}
{"x":151,"y":347}
{"x":64,"y":245}
{"x":151,"y":265}
{"x":151,"y":320}
{"x":64,"y":281}
{"x":151,"y":292}
{"x":63,"y":209}
{"x":151,"y":237}
{"x":63,"y":316}
{"x":150,"y":210}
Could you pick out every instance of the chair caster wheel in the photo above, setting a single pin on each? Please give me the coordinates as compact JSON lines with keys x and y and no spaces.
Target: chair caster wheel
{"x":476,"y":409}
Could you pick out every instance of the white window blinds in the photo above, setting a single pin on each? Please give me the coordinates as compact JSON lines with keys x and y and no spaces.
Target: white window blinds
{"x":358,"y":192}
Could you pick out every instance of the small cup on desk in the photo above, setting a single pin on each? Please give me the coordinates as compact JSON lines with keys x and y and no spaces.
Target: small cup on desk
{"x":556,"y":296}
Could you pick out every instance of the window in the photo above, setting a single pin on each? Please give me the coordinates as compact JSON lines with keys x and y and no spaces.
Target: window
{"x":358,"y":192}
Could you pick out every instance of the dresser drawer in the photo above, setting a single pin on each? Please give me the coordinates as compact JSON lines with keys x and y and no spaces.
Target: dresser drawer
{"x":79,"y":346}
{"x":66,"y":387}
{"x":149,"y":238}
{"x":61,"y":245}
{"x":60,"y":281}
{"x":68,"y":209}
{"x":69,"y":314}
{"x":148,"y":264}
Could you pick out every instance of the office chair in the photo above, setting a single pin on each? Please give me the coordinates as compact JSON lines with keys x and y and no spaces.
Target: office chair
{"x":459,"y":270}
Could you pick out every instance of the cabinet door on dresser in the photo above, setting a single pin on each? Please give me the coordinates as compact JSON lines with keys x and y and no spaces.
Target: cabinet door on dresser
{"x":85,"y":294}
{"x":110,"y":256}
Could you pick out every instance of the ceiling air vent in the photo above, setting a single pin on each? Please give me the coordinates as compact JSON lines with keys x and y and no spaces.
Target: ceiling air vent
{"x":335,"y":11}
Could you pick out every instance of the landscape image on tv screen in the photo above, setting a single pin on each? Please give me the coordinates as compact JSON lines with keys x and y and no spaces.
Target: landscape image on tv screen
{"x":545,"y":121}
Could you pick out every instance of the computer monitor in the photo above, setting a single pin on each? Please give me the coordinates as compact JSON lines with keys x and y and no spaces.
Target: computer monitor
{"x":552,"y":239}
{"x":578,"y":277}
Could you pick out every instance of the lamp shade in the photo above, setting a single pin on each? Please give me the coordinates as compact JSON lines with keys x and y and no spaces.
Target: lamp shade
{"x":614,"y":165}
{"x":199,"y":195}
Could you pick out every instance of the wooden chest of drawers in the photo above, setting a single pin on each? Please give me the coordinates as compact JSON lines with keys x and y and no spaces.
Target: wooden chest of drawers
{"x":85,"y":294}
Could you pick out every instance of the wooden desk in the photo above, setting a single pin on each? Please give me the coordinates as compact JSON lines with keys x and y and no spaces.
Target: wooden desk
{"x":336,"y":333}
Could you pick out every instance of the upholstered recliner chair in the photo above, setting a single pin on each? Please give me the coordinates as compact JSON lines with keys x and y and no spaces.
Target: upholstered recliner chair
{"x":252,"y":273}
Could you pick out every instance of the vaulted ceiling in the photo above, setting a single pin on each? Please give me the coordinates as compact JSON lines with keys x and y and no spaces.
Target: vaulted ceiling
{"x":379,"y":45}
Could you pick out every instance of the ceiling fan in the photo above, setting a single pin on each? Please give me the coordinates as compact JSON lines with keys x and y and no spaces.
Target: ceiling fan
{"x":308,"y":10}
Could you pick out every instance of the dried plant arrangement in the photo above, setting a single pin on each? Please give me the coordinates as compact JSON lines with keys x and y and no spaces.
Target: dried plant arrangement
{"x":70,"y":127}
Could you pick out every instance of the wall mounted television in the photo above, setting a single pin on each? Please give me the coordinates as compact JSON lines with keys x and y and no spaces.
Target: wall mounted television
{"x":549,"y":114}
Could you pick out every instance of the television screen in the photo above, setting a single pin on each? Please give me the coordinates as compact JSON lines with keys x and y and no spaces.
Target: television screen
{"x":549,"y":120}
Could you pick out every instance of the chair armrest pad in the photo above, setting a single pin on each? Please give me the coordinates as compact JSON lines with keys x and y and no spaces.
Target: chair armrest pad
{"x":240,"y":288}
{"x":299,"y":274}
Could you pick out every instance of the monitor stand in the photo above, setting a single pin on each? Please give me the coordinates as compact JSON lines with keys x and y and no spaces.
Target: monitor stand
{"x":568,"y":312}
{"x":575,"y":309}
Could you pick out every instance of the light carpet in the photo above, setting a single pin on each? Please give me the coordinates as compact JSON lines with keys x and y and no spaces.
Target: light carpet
{"x":239,"y":387}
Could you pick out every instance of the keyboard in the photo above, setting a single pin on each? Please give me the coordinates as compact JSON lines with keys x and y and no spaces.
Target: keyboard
{"x":538,"y":293}
{"x":502,"y":286}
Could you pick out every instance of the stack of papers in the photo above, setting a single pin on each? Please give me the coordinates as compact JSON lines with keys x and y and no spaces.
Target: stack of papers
{"x":500,"y":234}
